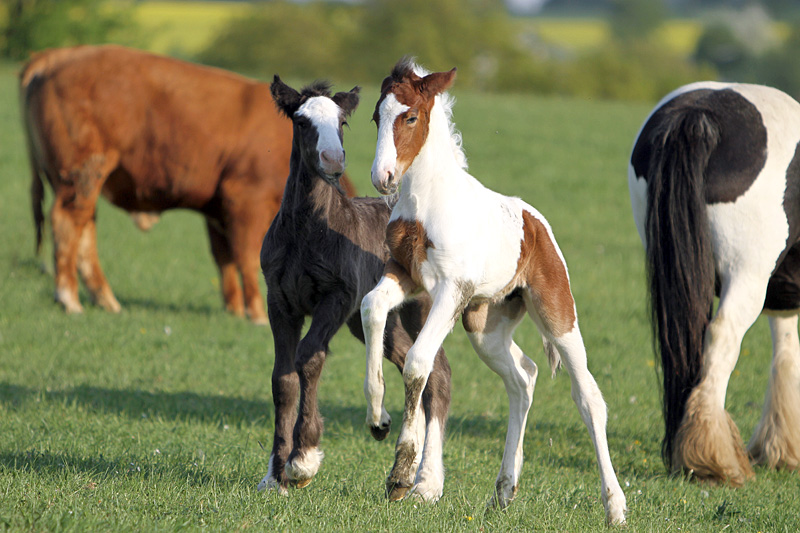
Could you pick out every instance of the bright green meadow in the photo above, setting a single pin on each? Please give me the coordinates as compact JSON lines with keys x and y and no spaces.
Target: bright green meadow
{"x":161,"y":418}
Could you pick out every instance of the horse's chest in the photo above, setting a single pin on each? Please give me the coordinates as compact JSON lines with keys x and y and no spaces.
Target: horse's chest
{"x":408,"y":244}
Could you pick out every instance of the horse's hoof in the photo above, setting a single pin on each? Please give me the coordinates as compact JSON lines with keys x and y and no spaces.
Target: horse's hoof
{"x":394,"y":492}
{"x":303,"y":483}
{"x":380,"y":432}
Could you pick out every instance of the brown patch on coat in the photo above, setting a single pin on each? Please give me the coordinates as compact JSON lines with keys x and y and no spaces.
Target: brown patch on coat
{"x":411,"y":127}
{"x":408,"y":243}
{"x":477,"y":318}
{"x":541,"y":268}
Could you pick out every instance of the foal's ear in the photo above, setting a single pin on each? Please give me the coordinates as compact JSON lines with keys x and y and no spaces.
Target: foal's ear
{"x":347,"y":101}
{"x":437,"y":83}
{"x":286,"y":98}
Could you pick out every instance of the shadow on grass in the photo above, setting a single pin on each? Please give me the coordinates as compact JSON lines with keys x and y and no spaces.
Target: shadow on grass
{"x":48,"y":463}
{"x":180,"y":406}
{"x":154,"y":304}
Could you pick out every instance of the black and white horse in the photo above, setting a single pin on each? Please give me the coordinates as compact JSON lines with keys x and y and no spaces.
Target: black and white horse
{"x":715,"y":187}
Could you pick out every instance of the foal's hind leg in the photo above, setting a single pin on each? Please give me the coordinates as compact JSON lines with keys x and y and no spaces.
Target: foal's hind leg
{"x":490,"y":328}
{"x":776,"y":440}
{"x":306,"y":457}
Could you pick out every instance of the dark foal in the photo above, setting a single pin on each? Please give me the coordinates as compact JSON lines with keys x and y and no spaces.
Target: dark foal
{"x":322,"y":254}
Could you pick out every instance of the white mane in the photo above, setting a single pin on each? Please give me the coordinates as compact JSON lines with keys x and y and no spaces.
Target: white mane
{"x":446,"y":100}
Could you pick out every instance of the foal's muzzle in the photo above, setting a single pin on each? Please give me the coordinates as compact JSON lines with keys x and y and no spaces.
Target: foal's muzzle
{"x":385,"y":182}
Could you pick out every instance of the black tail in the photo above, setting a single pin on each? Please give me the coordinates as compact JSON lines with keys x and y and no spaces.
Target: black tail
{"x":679,"y":259}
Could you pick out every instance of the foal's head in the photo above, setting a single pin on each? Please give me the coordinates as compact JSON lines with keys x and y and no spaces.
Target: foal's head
{"x":318,"y":119}
{"x":403,"y":114}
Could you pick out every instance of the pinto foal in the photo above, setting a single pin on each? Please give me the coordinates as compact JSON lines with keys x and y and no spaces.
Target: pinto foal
{"x":322,"y":253}
{"x":483,"y":256}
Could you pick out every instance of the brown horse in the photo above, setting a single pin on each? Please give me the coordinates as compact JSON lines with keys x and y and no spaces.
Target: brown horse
{"x":152,"y":133}
{"x":322,"y":254}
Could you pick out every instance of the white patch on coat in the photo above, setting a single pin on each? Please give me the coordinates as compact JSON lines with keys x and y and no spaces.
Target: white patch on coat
{"x":325,"y":115}
{"x":385,"y":160}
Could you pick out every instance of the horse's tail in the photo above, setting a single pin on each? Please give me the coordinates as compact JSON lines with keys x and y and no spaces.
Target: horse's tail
{"x":30,"y":79}
{"x":680,"y":268}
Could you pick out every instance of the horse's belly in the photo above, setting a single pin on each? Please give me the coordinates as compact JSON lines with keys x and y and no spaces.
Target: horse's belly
{"x":783,"y":291}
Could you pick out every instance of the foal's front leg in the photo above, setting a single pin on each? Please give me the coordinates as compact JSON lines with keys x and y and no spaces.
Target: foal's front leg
{"x":306,"y":457}
{"x":285,"y":390}
{"x":391,"y":290}
{"x":448,"y":302}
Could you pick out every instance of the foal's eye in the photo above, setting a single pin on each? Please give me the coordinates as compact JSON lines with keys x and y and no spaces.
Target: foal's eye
{"x":411,"y":120}
{"x":344,"y":123}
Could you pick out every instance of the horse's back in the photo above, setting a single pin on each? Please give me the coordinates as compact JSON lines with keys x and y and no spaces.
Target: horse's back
{"x":750,"y":177}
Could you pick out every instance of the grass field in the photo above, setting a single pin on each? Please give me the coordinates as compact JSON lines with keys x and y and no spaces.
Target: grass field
{"x":154,"y":419}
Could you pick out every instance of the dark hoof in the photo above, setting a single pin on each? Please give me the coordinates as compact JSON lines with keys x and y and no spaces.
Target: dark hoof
{"x":380,"y":432}
{"x":394,"y":492}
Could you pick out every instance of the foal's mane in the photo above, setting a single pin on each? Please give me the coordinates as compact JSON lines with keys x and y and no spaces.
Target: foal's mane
{"x":401,"y":73}
{"x":317,"y":88}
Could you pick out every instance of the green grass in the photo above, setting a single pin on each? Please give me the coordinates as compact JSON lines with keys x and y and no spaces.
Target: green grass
{"x":154,"y":419}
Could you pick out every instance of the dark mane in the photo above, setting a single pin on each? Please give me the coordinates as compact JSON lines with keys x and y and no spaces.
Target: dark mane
{"x":404,"y":69}
{"x":317,"y":88}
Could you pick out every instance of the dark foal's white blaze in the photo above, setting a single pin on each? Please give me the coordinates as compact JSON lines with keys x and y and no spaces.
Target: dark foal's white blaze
{"x":751,"y":187}
{"x":326,"y":117}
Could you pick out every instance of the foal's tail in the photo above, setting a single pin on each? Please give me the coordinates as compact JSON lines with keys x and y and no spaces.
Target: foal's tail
{"x":680,"y":268}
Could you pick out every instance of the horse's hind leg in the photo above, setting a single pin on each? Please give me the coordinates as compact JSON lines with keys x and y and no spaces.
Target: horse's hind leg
{"x":490,"y":329}
{"x":708,"y":443}
{"x":76,"y":193}
{"x":91,"y":272}
{"x":776,"y":440}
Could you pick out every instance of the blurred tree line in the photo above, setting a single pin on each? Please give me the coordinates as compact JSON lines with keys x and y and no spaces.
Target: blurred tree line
{"x":359,"y":42}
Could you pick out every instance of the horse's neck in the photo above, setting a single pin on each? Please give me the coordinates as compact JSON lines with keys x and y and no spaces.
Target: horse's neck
{"x":305,"y":190}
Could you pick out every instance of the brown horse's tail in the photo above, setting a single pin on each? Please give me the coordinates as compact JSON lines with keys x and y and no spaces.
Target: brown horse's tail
{"x":680,"y":269}
{"x":30,"y":79}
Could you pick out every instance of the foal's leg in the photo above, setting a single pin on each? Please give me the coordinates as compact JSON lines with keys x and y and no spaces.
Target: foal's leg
{"x":559,"y":326}
{"x":391,"y":290}
{"x":285,"y":390}
{"x":490,"y":328}
{"x":448,"y":302}
{"x":776,"y":440}
{"x":428,"y":483}
{"x":328,"y":317}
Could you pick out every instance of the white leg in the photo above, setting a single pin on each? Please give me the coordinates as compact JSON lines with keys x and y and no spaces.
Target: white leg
{"x":375,"y":307}
{"x":429,"y":483}
{"x":495,"y":346}
{"x":419,"y":362}
{"x":708,"y":443}
{"x":587,"y":396}
{"x":776,"y":439}
{"x":270,"y":481}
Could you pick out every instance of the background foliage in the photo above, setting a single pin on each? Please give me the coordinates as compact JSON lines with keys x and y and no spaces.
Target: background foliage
{"x":618,"y":49}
